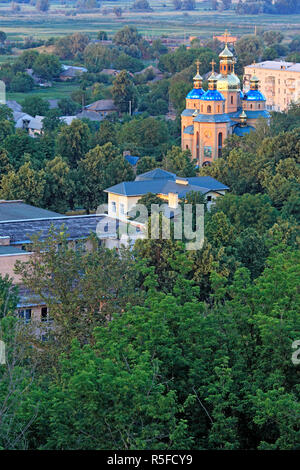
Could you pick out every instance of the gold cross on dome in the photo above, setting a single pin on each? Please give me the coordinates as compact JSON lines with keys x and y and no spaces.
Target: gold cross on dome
{"x":213,"y":63}
{"x":198,"y":63}
{"x":226,"y":36}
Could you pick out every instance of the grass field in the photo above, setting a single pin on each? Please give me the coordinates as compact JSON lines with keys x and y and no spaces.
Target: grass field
{"x":162,"y":20}
{"x":57,"y":91}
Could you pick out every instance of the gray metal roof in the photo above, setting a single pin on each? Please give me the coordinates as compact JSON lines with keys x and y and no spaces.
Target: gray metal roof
{"x":277,"y":65}
{"x":18,"y":210}
{"x":156,"y":174}
{"x":76,"y":228}
{"x":168,"y":185}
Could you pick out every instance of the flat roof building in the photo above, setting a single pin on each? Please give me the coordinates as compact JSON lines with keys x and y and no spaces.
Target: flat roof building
{"x":279,"y":82}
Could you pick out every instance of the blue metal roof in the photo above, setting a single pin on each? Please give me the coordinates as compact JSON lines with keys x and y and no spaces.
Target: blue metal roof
{"x":207,"y":182}
{"x":212,"y":95}
{"x":258,"y":114}
{"x":189,"y":130}
{"x":204,"y":184}
{"x":212,"y":118}
{"x":254,"y":95}
{"x":196,"y":93}
{"x":131,"y":159}
{"x":156,"y":174}
{"x":236,"y":114}
{"x":243,"y":130}
{"x":188,"y":112}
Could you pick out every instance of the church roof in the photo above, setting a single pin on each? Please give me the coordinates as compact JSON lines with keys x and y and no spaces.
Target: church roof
{"x":254,"y":95}
{"x":195,"y":93}
{"x":258,"y":114}
{"x":188,"y":112}
{"x":228,"y":82}
{"x":226,"y":53}
{"x":189,"y":130}
{"x":212,"y":118}
{"x":243,"y":130}
{"x":212,"y":95}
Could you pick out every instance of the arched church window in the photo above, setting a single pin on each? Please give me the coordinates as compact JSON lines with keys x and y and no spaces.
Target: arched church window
{"x":231,"y":99}
{"x":209,"y":108}
{"x":220,"y":142}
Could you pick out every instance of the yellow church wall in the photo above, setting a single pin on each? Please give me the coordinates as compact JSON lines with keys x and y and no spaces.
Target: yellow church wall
{"x":231,"y":100}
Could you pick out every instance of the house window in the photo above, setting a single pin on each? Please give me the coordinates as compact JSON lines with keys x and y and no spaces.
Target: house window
{"x":187,"y":147}
{"x":208,"y":198}
{"x":25,"y":314}
{"x":113,"y":207}
{"x":122,"y":209}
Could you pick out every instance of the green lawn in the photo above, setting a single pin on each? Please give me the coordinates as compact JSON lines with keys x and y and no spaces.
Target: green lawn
{"x":57,"y":91}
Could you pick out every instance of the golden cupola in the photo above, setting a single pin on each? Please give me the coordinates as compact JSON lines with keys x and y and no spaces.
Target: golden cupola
{"x":227,"y":79}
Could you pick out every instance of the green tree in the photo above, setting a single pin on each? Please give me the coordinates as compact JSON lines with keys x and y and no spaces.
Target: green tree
{"x":58,"y":185}
{"x":144,"y":136}
{"x":8,"y":297}
{"x":35,"y":106}
{"x":68,"y":107}
{"x":248,"y":49}
{"x":124,"y":92}
{"x":72,"y":141}
{"x":26,"y":184}
{"x":179,"y":162}
{"x":22,"y":82}
{"x":47,"y":66}
{"x":145,"y":164}
{"x":272,"y":37}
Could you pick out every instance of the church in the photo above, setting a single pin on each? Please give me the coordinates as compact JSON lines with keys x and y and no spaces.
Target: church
{"x":213,"y":115}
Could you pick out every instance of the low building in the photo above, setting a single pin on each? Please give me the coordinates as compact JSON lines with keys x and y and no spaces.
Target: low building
{"x":70,"y":72}
{"x":92,"y":115}
{"x":102,"y":107}
{"x":20,"y":221}
{"x":279,"y":82}
{"x":170,"y":188}
{"x":111,"y":72}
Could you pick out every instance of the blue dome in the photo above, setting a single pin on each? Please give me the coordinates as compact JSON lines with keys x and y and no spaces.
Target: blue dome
{"x":241,"y":95}
{"x":254,"y":95}
{"x":213,"y":95}
{"x":196,"y":93}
